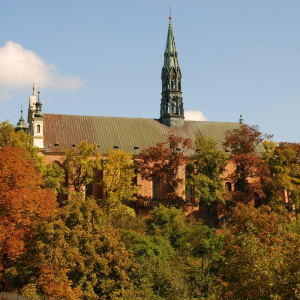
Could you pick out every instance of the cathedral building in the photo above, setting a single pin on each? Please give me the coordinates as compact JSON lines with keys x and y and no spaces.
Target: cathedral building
{"x":55,"y":133}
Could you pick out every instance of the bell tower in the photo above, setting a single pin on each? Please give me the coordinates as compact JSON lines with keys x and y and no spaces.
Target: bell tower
{"x":37,"y":125}
{"x":171,"y":107}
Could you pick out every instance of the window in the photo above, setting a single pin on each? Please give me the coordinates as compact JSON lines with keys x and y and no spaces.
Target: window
{"x":89,"y":190}
{"x":189,"y":189}
{"x":38,"y":128}
{"x":240,"y":185}
{"x":257,"y":201}
{"x":228,"y":186}
{"x":155,"y":189}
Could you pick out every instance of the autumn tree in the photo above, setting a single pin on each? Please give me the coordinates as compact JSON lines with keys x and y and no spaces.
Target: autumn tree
{"x":251,"y":174}
{"x":22,"y":203}
{"x":284,"y":163}
{"x":9,"y":136}
{"x":81,"y":163}
{"x":260,"y":256}
{"x":53,"y":175}
{"x":163,"y":162}
{"x":81,"y":256}
{"x":118,"y":183}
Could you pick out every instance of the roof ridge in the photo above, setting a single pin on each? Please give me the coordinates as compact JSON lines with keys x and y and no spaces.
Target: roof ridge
{"x":89,"y":116}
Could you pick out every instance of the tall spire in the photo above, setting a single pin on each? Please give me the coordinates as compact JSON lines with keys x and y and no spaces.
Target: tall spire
{"x":171,"y":108}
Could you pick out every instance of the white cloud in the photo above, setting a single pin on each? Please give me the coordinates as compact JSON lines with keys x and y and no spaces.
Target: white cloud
{"x":21,"y":68}
{"x":194,"y":115}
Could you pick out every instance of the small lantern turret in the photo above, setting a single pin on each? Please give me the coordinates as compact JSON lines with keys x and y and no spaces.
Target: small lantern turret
{"x":38,"y":105}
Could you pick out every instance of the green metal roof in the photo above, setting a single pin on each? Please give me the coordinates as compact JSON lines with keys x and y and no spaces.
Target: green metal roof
{"x":125,"y":133}
{"x":171,"y":59}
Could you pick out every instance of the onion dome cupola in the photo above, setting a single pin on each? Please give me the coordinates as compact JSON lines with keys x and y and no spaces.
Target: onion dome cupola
{"x":22,"y":125}
{"x":171,"y":108}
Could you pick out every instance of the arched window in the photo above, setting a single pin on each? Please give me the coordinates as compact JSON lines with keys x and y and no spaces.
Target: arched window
{"x":228,"y":186}
{"x":38,"y":128}
{"x":155,"y":189}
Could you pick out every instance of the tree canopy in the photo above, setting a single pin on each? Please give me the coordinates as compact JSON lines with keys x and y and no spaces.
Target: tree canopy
{"x":163,"y":162}
{"x":81,"y":163}
{"x":251,"y":174}
{"x":23,"y":202}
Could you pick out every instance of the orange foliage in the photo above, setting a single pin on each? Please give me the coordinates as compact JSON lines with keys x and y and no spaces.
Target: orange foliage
{"x":22,"y":202}
{"x":55,"y":282}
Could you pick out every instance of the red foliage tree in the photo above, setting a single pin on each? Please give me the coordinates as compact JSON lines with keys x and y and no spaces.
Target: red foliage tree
{"x":163,"y":161}
{"x":22,"y":203}
{"x":251,"y":174}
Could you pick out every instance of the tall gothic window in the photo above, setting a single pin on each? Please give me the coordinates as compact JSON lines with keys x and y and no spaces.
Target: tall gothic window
{"x":155,"y":189}
{"x":38,"y":128}
{"x":257,"y":201}
{"x":89,"y":190}
{"x":189,"y":190}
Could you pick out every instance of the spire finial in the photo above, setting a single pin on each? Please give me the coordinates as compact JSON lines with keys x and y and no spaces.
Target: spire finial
{"x":170,"y":17}
{"x":33,"y":92}
{"x":241,"y":118}
{"x":21,"y":111}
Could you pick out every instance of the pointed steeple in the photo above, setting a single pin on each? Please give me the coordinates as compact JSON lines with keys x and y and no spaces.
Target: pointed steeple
{"x":171,"y":108}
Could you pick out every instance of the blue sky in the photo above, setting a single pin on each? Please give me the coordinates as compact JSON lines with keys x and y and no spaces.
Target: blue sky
{"x":105,"y":58}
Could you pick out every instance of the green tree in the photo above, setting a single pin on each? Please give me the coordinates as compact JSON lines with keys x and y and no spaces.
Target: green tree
{"x":158,"y":279}
{"x":79,"y":252}
{"x":145,"y":247}
{"x":168,"y":222}
{"x":8,"y":136}
{"x":118,"y":183}
{"x":205,"y":181}
{"x":196,"y":258}
{"x":284,"y":163}
{"x":81,"y":163}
